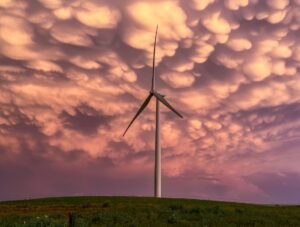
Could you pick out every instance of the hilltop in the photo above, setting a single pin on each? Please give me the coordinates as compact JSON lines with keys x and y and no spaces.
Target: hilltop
{"x":143,"y":211}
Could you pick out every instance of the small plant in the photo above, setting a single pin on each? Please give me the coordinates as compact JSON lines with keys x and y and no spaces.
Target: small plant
{"x":171,"y":220}
{"x":96,"y":220}
{"x":194,"y":210}
{"x":238,"y":211}
{"x":86,"y":205}
{"x":174,"y":207}
{"x":106,"y":204}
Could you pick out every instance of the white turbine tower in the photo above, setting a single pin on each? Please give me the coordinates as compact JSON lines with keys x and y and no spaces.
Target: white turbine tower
{"x":159,"y":98}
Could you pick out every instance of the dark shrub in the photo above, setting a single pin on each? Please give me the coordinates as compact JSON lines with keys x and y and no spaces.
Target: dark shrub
{"x":174,"y":207}
{"x":106,"y":204}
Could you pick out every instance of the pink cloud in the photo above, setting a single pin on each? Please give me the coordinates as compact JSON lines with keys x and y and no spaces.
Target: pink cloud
{"x":72,"y":75}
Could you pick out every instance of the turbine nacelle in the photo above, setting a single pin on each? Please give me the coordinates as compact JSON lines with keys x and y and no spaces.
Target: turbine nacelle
{"x":153,"y":92}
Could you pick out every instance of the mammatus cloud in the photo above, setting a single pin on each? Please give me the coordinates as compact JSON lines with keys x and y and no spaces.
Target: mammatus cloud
{"x":72,"y":74}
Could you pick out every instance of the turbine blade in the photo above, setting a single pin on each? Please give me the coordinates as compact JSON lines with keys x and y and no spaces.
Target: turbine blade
{"x":143,"y":106}
{"x":153,"y":65}
{"x":164,"y":101}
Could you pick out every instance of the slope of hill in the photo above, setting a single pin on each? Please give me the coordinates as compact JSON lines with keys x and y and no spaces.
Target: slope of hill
{"x":142,"y":211}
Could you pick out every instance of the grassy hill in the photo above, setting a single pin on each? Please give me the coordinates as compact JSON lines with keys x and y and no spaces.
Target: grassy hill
{"x":135,"y":211}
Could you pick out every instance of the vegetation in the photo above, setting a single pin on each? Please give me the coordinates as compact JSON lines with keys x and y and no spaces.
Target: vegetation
{"x":134,"y":211}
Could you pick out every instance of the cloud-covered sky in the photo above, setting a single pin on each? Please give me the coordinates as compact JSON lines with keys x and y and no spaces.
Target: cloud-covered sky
{"x":73,"y":73}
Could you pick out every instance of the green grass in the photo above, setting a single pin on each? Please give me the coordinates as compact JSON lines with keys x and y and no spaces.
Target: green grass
{"x":135,"y":211}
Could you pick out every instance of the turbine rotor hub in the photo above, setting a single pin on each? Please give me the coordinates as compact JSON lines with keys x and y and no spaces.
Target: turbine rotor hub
{"x":153,"y":92}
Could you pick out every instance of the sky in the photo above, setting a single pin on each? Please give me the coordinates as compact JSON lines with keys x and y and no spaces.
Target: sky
{"x":73,"y":74}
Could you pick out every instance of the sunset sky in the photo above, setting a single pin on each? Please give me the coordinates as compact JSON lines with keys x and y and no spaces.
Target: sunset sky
{"x":73,"y":74}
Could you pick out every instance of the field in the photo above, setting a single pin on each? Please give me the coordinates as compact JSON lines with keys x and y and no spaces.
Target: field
{"x":135,"y":211}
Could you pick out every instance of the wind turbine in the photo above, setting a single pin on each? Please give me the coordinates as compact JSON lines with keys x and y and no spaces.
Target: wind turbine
{"x":159,"y":98}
